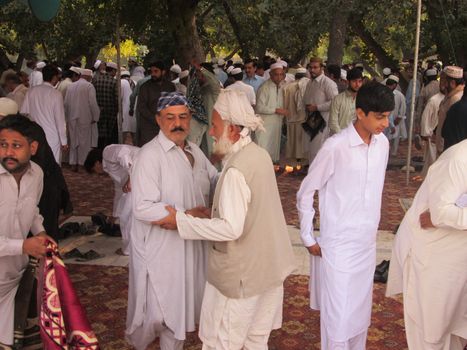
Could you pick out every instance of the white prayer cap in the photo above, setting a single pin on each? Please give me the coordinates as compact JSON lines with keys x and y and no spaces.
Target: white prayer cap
{"x":76,"y":70}
{"x":454,"y":72}
{"x":97,"y":64}
{"x":112,"y":65}
{"x":8,"y":106}
{"x":176,"y":69}
{"x":183,"y":74}
{"x":86,"y":72}
{"x":234,"y":107}
{"x":276,"y":65}
{"x":40,"y":65}
{"x":220,"y":62}
{"x":124,"y":72}
{"x":387,"y":71}
{"x":300,"y":70}
{"x":343,"y":74}
{"x":284,"y":64}
{"x":235,"y":71}
{"x":393,"y":78}
{"x":432,"y":72}
{"x":229,"y":70}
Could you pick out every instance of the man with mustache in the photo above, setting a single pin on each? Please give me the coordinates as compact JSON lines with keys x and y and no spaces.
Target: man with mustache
{"x":250,"y":252}
{"x":21,"y":182}
{"x":167,"y":273}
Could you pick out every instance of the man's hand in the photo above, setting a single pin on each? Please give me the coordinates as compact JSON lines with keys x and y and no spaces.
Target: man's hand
{"x":127,"y":186}
{"x":35,"y":246}
{"x":282,"y":111}
{"x":314,"y":250}
{"x":130,"y":113}
{"x":65,"y":148}
{"x":199,"y":212}
{"x":397,"y":120}
{"x":170,"y":221}
{"x":311,"y":108}
{"x":425,"y":220}
{"x":43,"y":234}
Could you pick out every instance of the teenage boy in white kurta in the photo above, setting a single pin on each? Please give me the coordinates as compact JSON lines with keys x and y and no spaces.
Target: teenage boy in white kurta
{"x":429,"y":257}
{"x":349,"y":174}
{"x":167,"y":273}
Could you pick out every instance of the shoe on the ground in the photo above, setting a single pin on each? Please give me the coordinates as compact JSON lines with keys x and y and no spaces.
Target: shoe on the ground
{"x":380,"y":268}
{"x":75,"y":253}
{"x":112,"y":230}
{"x":382,"y":275}
{"x":90,"y":255}
{"x":68,"y":229}
{"x":99,"y":220}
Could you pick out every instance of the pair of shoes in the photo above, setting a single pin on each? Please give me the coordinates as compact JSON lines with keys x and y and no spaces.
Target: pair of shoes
{"x":90,"y":255}
{"x":69,"y":228}
{"x":381,"y":272}
{"x":75,"y":253}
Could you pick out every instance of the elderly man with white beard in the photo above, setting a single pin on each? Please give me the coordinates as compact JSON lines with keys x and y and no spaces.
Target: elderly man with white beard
{"x":250,"y":254}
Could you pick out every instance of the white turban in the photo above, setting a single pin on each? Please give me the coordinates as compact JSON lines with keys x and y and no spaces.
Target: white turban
{"x":343,"y":74}
{"x":76,"y":70}
{"x":176,"y":69}
{"x":230,"y":69}
{"x":387,"y":71}
{"x":97,"y":64}
{"x":276,"y":65}
{"x":86,"y":72}
{"x":40,"y":65}
{"x":112,"y":65}
{"x":431,"y":72}
{"x":235,"y":71}
{"x":234,"y":107}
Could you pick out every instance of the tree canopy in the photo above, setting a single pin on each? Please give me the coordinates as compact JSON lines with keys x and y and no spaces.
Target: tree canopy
{"x":372,"y":31}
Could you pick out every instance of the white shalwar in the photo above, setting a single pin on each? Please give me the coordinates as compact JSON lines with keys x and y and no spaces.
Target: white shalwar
{"x":129,"y":121}
{"x":320,"y":91}
{"x":82,"y":113}
{"x":428,"y":265}
{"x":247,"y":89}
{"x":349,"y":175}
{"x":20,"y":215}
{"x":227,"y":323}
{"x":44,"y":104}
{"x":167,"y":273}
{"x":117,"y":161}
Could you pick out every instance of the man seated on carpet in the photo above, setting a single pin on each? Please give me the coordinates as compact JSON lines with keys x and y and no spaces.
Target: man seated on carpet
{"x":21,"y":182}
{"x":348,"y":172}
{"x":116,"y":160}
{"x":429,"y":257}
{"x":250,"y":254}
{"x":166,"y":273}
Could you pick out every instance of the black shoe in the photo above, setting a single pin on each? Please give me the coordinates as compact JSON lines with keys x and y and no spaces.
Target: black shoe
{"x":383,"y":266}
{"x":68,"y":229}
{"x":99,"y":219}
{"x":112,"y":230}
{"x":75,"y":253}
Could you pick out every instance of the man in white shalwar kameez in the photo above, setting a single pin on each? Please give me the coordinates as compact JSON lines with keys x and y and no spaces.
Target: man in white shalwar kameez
{"x":250,"y":254}
{"x":82,"y":112}
{"x":167,"y":273}
{"x":349,"y":173}
{"x":239,"y":85}
{"x":44,"y":104}
{"x":129,"y":121}
{"x":21,"y":184}
{"x":270,"y":106}
{"x":318,"y":95}
{"x":398,"y":115}
{"x":429,"y":259}
{"x":35,"y":78}
{"x":116,"y":160}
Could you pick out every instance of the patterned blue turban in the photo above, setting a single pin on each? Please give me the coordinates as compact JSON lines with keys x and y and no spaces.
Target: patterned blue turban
{"x":168,"y":99}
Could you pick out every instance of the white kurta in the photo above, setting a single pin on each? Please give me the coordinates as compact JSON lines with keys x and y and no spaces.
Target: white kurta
{"x":247,"y":89}
{"x":18,"y":94}
{"x":234,"y":198}
{"x":117,"y":161}
{"x":35,"y":78}
{"x":428,"y":124}
{"x":44,"y":104}
{"x":129,"y":122}
{"x":435,"y":286}
{"x":269,"y":98}
{"x":349,"y":176}
{"x":63,"y":86}
{"x":320,"y":91}
{"x":20,"y":215}
{"x":82,"y":113}
{"x":174,"y":268}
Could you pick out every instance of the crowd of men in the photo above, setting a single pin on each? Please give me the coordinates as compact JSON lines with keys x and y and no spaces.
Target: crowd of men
{"x":210,"y":247}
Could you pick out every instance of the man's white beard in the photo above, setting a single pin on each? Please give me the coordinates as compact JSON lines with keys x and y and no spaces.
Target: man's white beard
{"x":223,"y":146}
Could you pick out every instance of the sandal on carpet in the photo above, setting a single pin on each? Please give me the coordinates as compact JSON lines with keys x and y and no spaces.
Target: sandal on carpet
{"x":90,"y":255}
{"x":75,"y":253}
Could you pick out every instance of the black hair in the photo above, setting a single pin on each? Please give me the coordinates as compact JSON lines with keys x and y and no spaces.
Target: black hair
{"x":375,"y":97}
{"x":250,"y":60}
{"x":48,"y":72}
{"x":14,"y":77}
{"x":208,"y":66}
{"x":458,"y":81}
{"x":158,"y":64}
{"x":94,"y":155}
{"x":391,"y":82}
{"x":238,"y":76}
{"x":334,"y":70}
{"x":354,"y":73}
{"x":20,"y":124}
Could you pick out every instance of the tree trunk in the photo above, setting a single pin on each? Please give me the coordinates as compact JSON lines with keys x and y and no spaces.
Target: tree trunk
{"x":91,"y":57}
{"x":385,"y":60}
{"x":244,"y":50}
{"x":19,"y":62}
{"x":182,"y":26}
{"x":338,"y":32}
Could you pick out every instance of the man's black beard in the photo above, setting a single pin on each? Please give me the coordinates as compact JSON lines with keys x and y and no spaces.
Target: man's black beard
{"x":156,"y":79}
{"x":19,"y":168}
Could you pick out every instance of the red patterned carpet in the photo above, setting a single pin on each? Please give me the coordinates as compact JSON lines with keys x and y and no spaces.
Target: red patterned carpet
{"x":103,"y":290}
